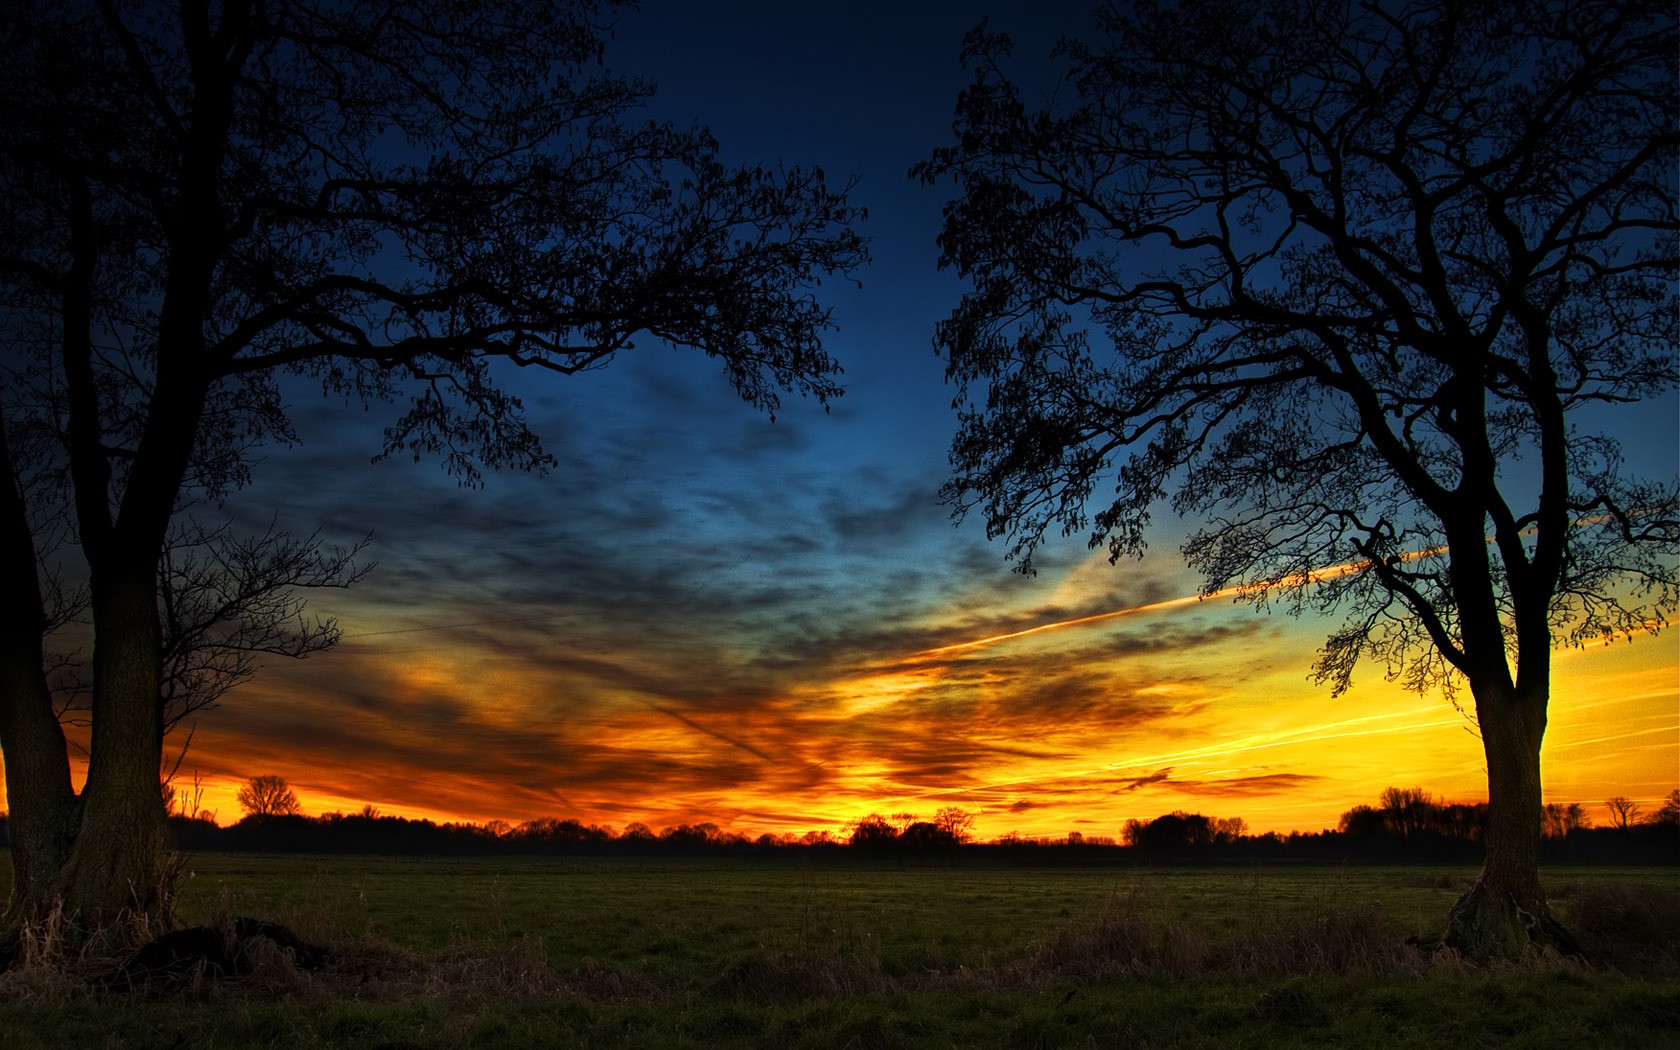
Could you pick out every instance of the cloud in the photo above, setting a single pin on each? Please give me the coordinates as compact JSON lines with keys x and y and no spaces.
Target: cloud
{"x":1246,"y":787}
{"x":1134,"y":784}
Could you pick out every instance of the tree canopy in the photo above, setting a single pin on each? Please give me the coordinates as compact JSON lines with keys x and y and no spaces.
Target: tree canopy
{"x":1358,"y":288}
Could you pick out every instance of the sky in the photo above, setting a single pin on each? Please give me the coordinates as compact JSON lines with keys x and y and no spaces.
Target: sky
{"x":703,"y":615}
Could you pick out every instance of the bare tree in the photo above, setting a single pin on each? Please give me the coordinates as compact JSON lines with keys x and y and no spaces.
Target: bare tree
{"x":956,"y":822}
{"x":1406,"y":810}
{"x":1354,"y":282}
{"x":225,"y":602}
{"x":1558,"y":819}
{"x":1624,"y":812}
{"x":384,"y":201}
{"x":267,"y":796}
{"x":1668,"y":814}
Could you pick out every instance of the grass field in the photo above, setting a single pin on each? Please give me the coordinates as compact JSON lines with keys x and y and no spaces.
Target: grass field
{"x":774,"y":952}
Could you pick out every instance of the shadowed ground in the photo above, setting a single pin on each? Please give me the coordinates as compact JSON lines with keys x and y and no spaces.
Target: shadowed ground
{"x":529,"y":952}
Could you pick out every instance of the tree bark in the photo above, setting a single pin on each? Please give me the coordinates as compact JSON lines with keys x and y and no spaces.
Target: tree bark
{"x":116,"y":874}
{"x":43,"y":809}
{"x":42,"y":803}
{"x":1505,"y":911}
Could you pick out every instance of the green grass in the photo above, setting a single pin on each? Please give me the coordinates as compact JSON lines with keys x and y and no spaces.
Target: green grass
{"x":513,"y":952}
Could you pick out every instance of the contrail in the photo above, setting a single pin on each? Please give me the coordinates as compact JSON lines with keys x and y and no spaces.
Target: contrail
{"x":714,"y":734}
{"x":1151,"y":607}
{"x":1314,"y":576}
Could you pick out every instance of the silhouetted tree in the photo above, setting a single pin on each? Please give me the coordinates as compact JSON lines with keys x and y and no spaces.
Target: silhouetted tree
{"x":872,"y":832}
{"x":1229,"y":829}
{"x":1559,"y":819}
{"x":267,"y":796}
{"x":1406,"y":810}
{"x":1669,"y":814}
{"x":925,"y":835}
{"x":1623,"y":811}
{"x":388,"y":201}
{"x":1361,"y":822}
{"x":1326,"y":272}
{"x":956,"y":822}
{"x":1176,"y":832}
{"x":225,"y":601}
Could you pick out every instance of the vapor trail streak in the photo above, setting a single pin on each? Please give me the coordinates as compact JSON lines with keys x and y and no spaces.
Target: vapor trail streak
{"x":1314,"y":576}
{"x":1169,"y":603}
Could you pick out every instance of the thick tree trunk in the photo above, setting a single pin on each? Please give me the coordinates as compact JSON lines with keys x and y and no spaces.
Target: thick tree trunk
{"x":116,"y":874}
{"x":42,"y":805}
{"x":93,"y":867}
{"x":1505,"y":911}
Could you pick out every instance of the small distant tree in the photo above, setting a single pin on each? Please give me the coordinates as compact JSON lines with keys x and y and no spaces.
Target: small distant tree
{"x":1669,"y":814}
{"x":1406,"y":810}
{"x":1559,"y":819}
{"x":1361,"y":822}
{"x":871,"y":832}
{"x":1624,"y":811}
{"x":1229,"y":829}
{"x":267,"y":796}
{"x":955,"y":822}
{"x":925,"y":835}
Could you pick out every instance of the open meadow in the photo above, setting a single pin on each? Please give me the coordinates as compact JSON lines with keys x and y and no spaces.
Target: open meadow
{"x":796,"y":952}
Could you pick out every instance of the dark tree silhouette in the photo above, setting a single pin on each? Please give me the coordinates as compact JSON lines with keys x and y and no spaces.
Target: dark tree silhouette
{"x":267,"y":796}
{"x":956,"y":822}
{"x":206,"y":206}
{"x":872,"y":831}
{"x":1354,"y":283}
{"x":1668,"y":815}
{"x":1623,"y":811}
{"x":225,"y":602}
{"x":1559,"y":819}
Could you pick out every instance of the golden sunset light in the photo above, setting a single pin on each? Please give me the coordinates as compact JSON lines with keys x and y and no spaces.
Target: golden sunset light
{"x":1077,"y":723}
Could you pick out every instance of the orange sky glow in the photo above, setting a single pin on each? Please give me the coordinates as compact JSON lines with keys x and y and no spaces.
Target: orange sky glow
{"x":1037,"y":725}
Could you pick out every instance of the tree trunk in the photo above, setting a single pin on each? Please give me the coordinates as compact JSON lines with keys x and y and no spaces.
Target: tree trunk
{"x":93,"y":868}
{"x":116,"y":873}
{"x":1505,"y":911}
{"x":42,"y":804}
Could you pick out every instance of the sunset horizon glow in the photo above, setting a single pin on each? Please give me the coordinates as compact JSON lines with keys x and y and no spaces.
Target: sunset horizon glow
{"x":1283,"y":760}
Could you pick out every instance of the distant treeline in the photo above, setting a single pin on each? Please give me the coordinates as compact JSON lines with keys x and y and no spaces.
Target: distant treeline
{"x":1407,"y":825}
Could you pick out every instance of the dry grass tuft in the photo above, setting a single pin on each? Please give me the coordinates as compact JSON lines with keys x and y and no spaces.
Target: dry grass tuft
{"x":790,"y":976}
{"x":1636,"y":930}
{"x":1122,"y":939}
{"x":1126,"y":938}
{"x":1338,"y":940}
